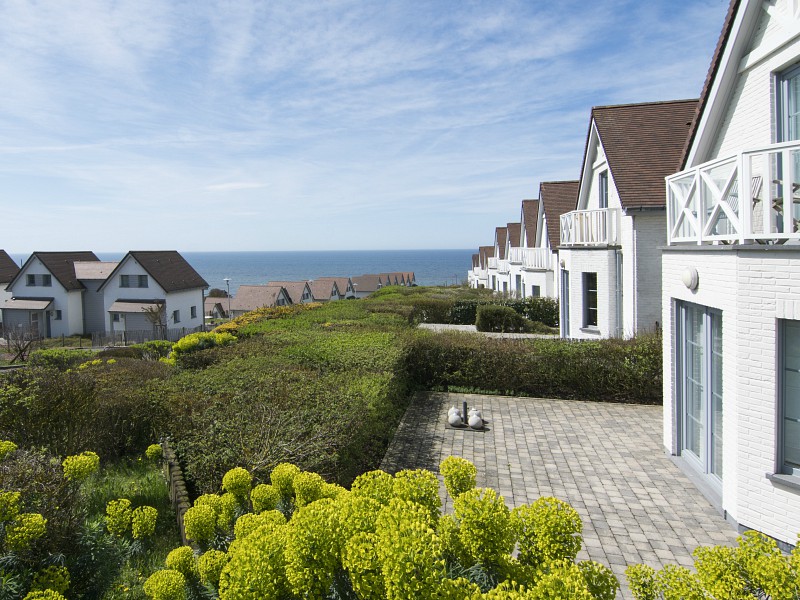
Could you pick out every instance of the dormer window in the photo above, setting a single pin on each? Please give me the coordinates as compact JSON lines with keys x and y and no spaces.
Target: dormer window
{"x":128,"y":281}
{"x":31,"y":281}
{"x":47,"y":280}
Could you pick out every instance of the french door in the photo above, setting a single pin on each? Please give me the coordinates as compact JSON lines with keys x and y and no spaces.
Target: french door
{"x":699,"y":386}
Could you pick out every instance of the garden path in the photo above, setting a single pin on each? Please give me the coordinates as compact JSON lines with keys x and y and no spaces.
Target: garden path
{"x":605,"y":459}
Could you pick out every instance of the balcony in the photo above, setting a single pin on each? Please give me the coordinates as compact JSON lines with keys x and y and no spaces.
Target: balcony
{"x":532,"y":259}
{"x":492,"y":263}
{"x":599,"y":227}
{"x":708,"y":204}
{"x":503,"y":267}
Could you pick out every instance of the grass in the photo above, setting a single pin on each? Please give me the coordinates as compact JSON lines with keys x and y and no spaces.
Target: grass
{"x":143,"y":484}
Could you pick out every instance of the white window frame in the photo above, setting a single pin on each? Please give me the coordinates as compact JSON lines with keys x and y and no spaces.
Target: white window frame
{"x":176,"y":316}
{"x":590,"y":309}
{"x":602,"y":192}
{"x":193,"y":312}
{"x":783,"y":333}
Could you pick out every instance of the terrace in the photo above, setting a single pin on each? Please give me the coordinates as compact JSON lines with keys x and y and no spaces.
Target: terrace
{"x":709,"y":204}
{"x":532,"y":259}
{"x":596,"y":227}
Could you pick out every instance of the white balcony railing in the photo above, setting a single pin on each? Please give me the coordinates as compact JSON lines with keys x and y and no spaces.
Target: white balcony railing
{"x":532,"y":258}
{"x":503,"y":266}
{"x":599,"y":227}
{"x":493,"y":263}
{"x":708,"y":204}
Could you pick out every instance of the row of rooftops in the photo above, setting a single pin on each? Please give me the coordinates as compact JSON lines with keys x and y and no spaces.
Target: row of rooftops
{"x":643,"y":143}
{"x":167,"y":268}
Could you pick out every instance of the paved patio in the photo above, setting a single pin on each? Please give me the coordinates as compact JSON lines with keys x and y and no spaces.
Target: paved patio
{"x":605,"y":459}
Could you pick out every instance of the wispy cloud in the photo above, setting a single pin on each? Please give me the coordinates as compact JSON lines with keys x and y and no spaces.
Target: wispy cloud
{"x":334,"y":124}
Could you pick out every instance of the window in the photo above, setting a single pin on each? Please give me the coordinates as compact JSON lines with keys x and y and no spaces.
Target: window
{"x":124,"y":281}
{"x":590,"y":299}
{"x":142,"y":281}
{"x":789,"y":435}
{"x":115,"y":317}
{"x":505,"y":287}
{"x":176,"y":316}
{"x":47,"y":280}
{"x":789,"y":105}
{"x":139,"y":281}
{"x":193,"y":312}
{"x":603,"y":185}
{"x":536,"y":291}
{"x":31,"y":280}
{"x":57,"y":316}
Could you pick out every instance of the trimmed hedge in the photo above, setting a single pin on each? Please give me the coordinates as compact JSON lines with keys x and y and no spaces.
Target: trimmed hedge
{"x":503,"y":319}
{"x":611,"y":370}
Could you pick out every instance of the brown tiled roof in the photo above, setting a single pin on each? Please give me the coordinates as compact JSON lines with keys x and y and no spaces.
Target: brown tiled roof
{"x":485,"y":252}
{"x":295,"y":289}
{"x":62,"y":266}
{"x":341,"y":283}
{"x":557,"y":198}
{"x":211,"y":301}
{"x":8,"y":268}
{"x":251,"y":297}
{"x":643,"y":144}
{"x":716,"y":60}
{"x":500,"y":234}
{"x":410,"y":277}
{"x":367,"y":283}
{"x":169,"y":269}
{"x":513,"y":234}
{"x":322,"y":289}
{"x":476,"y":259}
{"x":530,"y":218}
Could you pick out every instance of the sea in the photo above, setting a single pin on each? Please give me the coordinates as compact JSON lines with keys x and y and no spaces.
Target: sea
{"x":430,"y":267}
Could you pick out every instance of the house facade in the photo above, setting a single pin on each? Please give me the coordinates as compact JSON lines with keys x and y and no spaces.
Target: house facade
{"x":344,"y":285}
{"x":731,"y":277}
{"x":325,"y":290}
{"x":46,"y":296}
{"x":609,"y":247}
{"x":514,"y":259}
{"x":299,"y":291}
{"x":498,"y":269}
{"x":152,"y":291}
{"x":8,"y":270}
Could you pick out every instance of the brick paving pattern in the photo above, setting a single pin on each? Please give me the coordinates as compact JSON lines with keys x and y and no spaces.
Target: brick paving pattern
{"x":605,"y":459}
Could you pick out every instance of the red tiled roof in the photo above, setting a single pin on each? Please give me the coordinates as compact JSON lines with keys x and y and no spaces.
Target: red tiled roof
{"x":530,"y":220}
{"x":8,"y":268}
{"x":513,"y":234}
{"x":716,"y":60}
{"x":500,"y":234}
{"x":557,"y":198}
{"x":643,"y":144}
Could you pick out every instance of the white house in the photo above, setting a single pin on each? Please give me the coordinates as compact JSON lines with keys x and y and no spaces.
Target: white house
{"x":344,"y":285}
{"x":480,"y":270}
{"x":92,"y":274}
{"x":609,"y":248}
{"x":731,"y":277}
{"x":514,"y":259}
{"x":149,"y":290}
{"x":325,"y":290}
{"x":498,"y":264}
{"x":8,"y":269}
{"x":46,"y":296}
{"x":251,"y":297}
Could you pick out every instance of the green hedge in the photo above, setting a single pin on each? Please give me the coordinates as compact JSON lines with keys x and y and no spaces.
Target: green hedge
{"x":59,"y":358}
{"x":613,"y":370}
{"x":502,"y":319}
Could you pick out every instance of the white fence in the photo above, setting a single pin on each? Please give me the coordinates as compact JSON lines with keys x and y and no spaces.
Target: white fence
{"x":598,"y":227}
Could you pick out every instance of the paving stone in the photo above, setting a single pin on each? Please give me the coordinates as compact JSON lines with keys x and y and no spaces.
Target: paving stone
{"x":605,"y":459}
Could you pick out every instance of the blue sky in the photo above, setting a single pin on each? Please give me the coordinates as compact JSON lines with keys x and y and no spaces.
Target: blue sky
{"x":316,"y":125}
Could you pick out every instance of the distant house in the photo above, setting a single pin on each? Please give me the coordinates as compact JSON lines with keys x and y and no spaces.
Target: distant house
{"x":555,"y":199}
{"x":324,"y":290}
{"x":472,"y":274}
{"x":730,"y":277}
{"x":251,"y":297}
{"x":344,"y":285}
{"x":388,"y":278}
{"x":299,"y":291}
{"x":609,"y":243}
{"x":92,"y":275}
{"x":46,"y":295}
{"x":481,"y":274}
{"x":498,"y":264}
{"x":216,"y":307}
{"x":8,"y":270}
{"x":150,"y":290}
{"x":514,"y":258}
{"x":365,"y":285}
{"x":410,"y":278}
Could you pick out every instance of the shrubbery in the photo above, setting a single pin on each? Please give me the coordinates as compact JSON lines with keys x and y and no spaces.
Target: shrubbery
{"x":59,"y":358}
{"x":502,"y":319}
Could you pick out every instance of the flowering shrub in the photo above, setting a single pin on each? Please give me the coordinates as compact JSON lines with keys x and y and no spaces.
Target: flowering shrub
{"x":264,"y":497}
{"x":459,"y":475}
{"x":118,"y":516}
{"x":227,"y":513}
{"x":282,"y":477}
{"x":44,"y":595}
{"x":547,"y":530}
{"x":377,"y":485}
{"x":200,"y":522}
{"x":154,"y":452}
{"x":313,"y":548}
{"x":210,"y":565}
{"x":237,"y":481}
{"x":143,"y":522}
{"x":24,"y":530}
{"x":257,"y":567}
{"x":249,"y":522}
{"x":754,"y":568}
{"x":307,"y":488}
{"x":182,"y":560}
{"x":418,"y":486}
{"x":51,"y":578}
{"x":485,"y":530}
{"x":261,"y":314}
{"x":9,"y":506}
{"x":166,"y":584}
{"x":81,"y":466}
{"x":6,"y":448}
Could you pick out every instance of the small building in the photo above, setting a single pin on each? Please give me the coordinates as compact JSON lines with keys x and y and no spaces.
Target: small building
{"x":215,"y":307}
{"x":252,"y":297}
{"x":344,"y":285}
{"x":365,"y":285}
{"x":299,"y":291}
{"x":325,"y":290}
{"x":514,"y":257}
{"x":498,"y":264}
{"x":8,"y":270}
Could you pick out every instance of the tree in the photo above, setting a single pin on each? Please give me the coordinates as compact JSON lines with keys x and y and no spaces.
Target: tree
{"x":217,"y":293}
{"x":157,"y":315}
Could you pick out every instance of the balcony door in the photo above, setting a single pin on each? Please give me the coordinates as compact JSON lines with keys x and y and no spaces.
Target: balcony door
{"x":699,"y":387}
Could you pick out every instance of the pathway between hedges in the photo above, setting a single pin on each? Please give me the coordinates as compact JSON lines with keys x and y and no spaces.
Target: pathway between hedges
{"x":605,"y":459}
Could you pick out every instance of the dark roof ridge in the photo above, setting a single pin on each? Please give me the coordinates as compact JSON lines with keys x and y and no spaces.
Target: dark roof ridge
{"x":653,"y":103}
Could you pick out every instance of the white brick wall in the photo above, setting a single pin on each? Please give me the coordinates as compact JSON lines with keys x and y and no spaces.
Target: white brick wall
{"x":600,"y":261}
{"x":753,"y":289}
{"x":650,"y":237}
